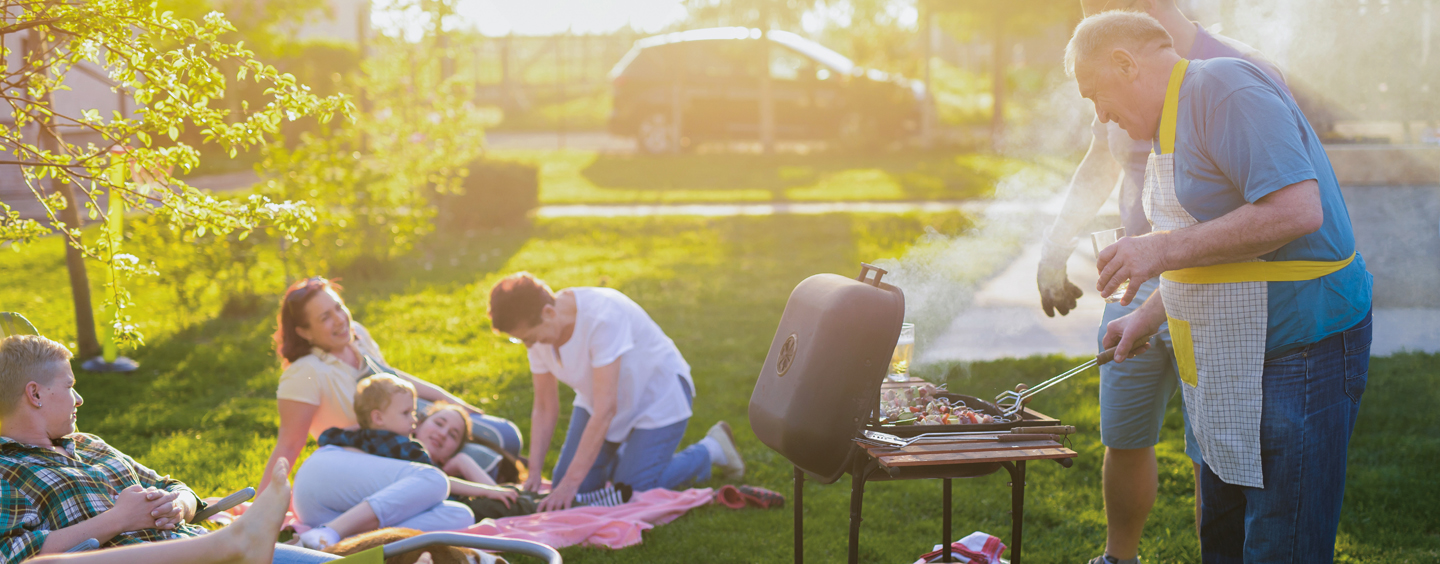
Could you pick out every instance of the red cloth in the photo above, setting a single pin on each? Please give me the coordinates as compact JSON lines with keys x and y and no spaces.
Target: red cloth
{"x":612,"y":527}
{"x":977,"y":548}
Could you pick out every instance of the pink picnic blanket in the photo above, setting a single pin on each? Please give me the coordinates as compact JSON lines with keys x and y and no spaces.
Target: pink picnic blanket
{"x":613,"y":527}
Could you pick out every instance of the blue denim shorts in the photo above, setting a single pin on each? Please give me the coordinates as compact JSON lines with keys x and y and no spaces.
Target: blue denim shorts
{"x":1134,"y":393}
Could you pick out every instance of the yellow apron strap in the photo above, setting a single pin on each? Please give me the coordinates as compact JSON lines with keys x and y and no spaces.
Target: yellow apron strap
{"x":1277,"y":271}
{"x":1172,"y":106}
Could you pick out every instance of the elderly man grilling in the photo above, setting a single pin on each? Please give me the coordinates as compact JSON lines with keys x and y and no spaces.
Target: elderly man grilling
{"x":1268,"y":304}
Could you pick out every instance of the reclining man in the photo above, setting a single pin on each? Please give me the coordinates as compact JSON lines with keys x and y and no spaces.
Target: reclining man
{"x":59,"y":488}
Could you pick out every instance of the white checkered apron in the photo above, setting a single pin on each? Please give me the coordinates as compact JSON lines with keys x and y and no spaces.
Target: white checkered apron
{"x":1218,"y":332}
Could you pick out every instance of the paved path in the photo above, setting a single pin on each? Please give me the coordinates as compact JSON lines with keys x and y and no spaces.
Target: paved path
{"x":1396,"y":231}
{"x":750,"y":209}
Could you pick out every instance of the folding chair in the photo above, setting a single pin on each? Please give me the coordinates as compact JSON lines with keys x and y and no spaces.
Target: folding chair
{"x":12,"y":323}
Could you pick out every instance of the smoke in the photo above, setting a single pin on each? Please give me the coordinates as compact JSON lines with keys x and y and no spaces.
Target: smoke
{"x":940,"y":274}
{"x":1056,"y":122}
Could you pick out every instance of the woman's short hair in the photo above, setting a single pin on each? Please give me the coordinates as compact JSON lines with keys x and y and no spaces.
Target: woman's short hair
{"x":289,"y":345}
{"x":376,"y":392}
{"x":1116,"y":28}
{"x":22,"y":359}
{"x":517,"y":300}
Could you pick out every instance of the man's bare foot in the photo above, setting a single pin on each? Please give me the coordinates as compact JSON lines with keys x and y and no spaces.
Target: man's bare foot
{"x":252,"y":536}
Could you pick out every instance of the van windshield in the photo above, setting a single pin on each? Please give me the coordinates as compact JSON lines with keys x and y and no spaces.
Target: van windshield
{"x":821,"y":53}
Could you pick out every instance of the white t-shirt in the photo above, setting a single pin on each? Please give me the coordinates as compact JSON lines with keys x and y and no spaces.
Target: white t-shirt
{"x":611,"y":326}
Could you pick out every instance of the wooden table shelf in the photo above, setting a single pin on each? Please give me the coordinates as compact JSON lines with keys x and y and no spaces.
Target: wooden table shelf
{"x":944,"y":460}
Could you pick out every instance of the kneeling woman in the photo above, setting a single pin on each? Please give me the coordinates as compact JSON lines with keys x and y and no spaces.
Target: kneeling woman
{"x":632,"y":389}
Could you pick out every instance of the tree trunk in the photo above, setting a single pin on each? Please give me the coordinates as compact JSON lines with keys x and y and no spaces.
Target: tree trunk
{"x":85,"y":336}
{"x":1000,"y":64}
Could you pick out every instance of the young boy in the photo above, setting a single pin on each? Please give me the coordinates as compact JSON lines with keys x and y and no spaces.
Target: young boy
{"x":385,"y":407}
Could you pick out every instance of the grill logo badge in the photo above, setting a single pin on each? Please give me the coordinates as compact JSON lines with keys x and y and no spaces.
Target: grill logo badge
{"x":787,"y":356}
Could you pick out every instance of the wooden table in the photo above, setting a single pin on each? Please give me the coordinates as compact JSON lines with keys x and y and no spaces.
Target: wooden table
{"x":945,"y":460}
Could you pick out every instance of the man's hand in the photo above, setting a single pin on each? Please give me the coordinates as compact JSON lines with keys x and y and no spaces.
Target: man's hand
{"x":133,"y":506}
{"x":1136,"y":259}
{"x":562,"y":496}
{"x":533,"y":482}
{"x":171,"y":509}
{"x":1056,"y":291}
{"x":1130,"y":334}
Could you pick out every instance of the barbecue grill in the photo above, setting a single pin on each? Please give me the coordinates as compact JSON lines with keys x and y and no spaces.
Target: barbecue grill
{"x":819,"y":393}
{"x":820,"y":387}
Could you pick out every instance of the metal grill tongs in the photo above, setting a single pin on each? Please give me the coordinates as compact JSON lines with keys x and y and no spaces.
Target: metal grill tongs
{"x":1012,"y":402}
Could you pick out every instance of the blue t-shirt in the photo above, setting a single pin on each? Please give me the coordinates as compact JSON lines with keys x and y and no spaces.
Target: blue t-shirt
{"x":1134,"y":155}
{"x":1239,"y":137}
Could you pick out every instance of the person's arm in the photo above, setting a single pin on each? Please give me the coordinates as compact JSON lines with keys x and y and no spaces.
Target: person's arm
{"x":463,"y":466}
{"x":179,"y":503}
{"x":543,"y":416}
{"x":472,"y":489}
{"x":603,"y":399}
{"x":1092,"y":184}
{"x":131,"y":512}
{"x":1241,"y":235}
{"x":1133,"y":330}
{"x":295,"y":419}
{"x":430,"y":392}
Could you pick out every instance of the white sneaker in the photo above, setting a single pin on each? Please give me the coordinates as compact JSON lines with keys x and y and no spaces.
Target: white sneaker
{"x":734,"y":466}
{"x":319,"y":538}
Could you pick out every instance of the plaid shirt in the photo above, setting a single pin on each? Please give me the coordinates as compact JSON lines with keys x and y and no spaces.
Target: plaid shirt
{"x":378,"y":442}
{"x":42,"y":490}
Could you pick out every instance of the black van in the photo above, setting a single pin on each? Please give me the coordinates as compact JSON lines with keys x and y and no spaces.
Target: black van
{"x":708,"y":81}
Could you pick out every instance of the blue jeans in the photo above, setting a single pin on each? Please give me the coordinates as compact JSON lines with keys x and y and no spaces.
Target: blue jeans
{"x":1311,"y":400}
{"x":648,"y":459}
{"x":287,"y":554}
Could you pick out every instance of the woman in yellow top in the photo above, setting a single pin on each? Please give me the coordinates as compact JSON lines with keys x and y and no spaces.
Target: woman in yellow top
{"x":325,"y":353}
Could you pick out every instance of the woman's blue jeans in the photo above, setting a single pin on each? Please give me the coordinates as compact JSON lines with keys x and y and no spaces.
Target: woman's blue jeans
{"x":646,"y":460}
{"x":1311,"y":399}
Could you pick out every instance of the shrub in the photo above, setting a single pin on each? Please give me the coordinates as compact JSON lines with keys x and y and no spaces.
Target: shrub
{"x":493,"y":194}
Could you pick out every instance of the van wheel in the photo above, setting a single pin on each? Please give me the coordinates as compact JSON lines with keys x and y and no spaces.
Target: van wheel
{"x":655,"y":135}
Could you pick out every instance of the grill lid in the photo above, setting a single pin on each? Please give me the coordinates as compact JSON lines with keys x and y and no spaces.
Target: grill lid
{"x":821,"y":379}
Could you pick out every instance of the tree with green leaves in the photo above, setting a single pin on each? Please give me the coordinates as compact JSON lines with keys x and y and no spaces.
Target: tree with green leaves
{"x":1000,"y":23}
{"x":173,"y":70}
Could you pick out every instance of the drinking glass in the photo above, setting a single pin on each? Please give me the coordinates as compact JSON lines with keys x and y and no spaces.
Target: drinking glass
{"x":904,"y":348}
{"x":1102,"y":239}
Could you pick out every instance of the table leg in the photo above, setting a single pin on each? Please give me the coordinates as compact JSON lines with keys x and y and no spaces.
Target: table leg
{"x":945,"y":497}
{"x":1017,"y":508}
{"x":857,"y":499}
{"x":799,"y":516}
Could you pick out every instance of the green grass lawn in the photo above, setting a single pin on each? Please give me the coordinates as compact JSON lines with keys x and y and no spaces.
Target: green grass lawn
{"x":587,"y":177}
{"x":202,"y":406}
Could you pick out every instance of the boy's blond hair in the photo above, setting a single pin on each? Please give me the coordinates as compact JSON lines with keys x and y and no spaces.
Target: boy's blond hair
{"x":23,"y":359}
{"x":375,"y":392}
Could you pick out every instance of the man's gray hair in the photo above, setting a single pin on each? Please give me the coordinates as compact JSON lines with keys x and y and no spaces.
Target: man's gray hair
{"x":1118,"y":28}
{"x":23,"y":359}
